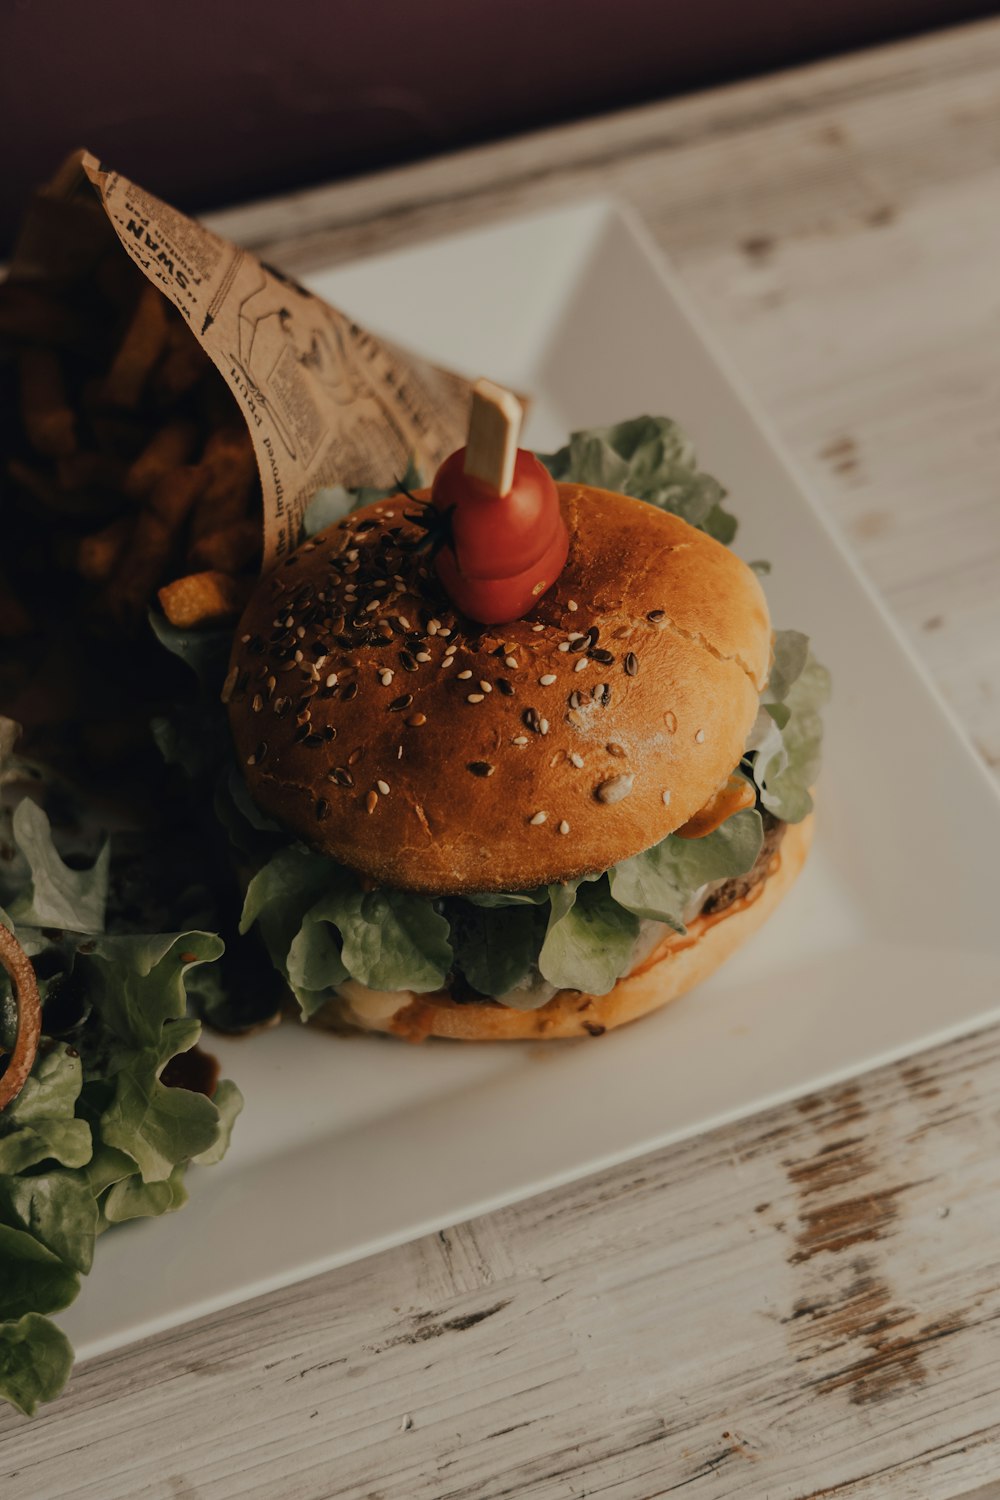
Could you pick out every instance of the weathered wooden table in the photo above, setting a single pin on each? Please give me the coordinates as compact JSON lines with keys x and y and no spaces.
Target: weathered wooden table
{"x":805,"y":1304}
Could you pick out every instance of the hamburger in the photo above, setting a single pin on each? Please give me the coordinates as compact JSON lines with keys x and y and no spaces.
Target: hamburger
{"x":483,"y":825}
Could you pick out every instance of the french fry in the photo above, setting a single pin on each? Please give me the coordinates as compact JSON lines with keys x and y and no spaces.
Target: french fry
{"x":229,"y":457}
{"x":31,"y":313}
{"x":49,"y":424}
{"x":152,"y":545}
{"x":140,"y":349}
{"x":227,"y":551}
{"x":168,"y":448}
{"x":102,"y":471}
{"x":15,"y":620}
{"x":203,"y":599}
{"x":98,"y":555}
{"x":184,"y":363}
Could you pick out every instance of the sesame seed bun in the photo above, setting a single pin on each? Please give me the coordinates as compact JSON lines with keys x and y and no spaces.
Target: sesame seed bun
{"x":435,"y":755}
{"x":673,"y":968}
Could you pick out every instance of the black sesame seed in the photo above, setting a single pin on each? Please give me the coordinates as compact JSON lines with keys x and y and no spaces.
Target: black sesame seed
{"x":408,"y":661}
{"x":260,"y":752}
{"x":322,"y":809}
{"x":606,"y":694}
{"x":342,"y":776}
{"x":255,"y":645}
{"x":281,"y":706}
{"x":505,"y":687}
{"x":398,"y":704}
{"x":329,"y":733}
{"x":480,"y":768}
{"x":302,"y":732}
{"x":599,"y":654}
{"x":350,"y":691}
{"x":656,"y":615}
{"x":313,"y":739}
{"x":632,"y":664}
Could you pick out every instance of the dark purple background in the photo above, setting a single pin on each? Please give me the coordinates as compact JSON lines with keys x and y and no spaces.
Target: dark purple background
{"x":221,"y":101}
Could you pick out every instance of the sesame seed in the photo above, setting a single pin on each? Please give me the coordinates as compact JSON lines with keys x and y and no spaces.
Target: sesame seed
{"x":331,"y":680}
{"x":341,"y":776}
{"x":352,"y":555}
{"x":700,"y":736}
{"x":480,"y":767}
{"x":512,"y":662}
{"x":614,"y":789}
{"x":385,"y":676}
{"x":371,"y":802}
{"x":450,"y":650}
{"x":433,"y":626}
{"x":322,"y":809}
{"x":575,"y":635}
{"x":580,"y":664}
{"x":475,"y":697}
{"x":632,"y":664}
{"x":670,"y":719}
{"x":537,"y":628}
{"x":656,"y":615}
{"x":383,"y":787}
{"x":402,"y":702}
{"x":564,"y":645}
{"x":564,"y":826}
{"x":519,"y":739}
{"x":408,"y":661}
{"x":598,"y":653}
{"x":572,"y":606}
{"x":229,"y":686}
{"x":464,"y":675}
{"x":401,"y":619}
{"x":423,"y":656}
{"x":547,"y":679}
{"x":505,"y":687}
{"x":444,"y":631}
{"x":355,"y":756}
{"x":399,"y":752}
{"x":445,"y":661}
{"x":298,"y":656}
{"x":257,"y":703}
{"x":666,"y":799}
{"x":577,"y":760}
{"x":487,"y":687}
{"x":415,"y":721}
{"x":537,"y":819}
{"x":244,"y":639}
{"x":613,"y":748}
{"x":372,"y":605}
{"x":543,"y":726}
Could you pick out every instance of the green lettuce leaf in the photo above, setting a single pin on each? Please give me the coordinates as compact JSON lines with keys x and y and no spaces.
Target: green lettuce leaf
{"x":783,"y":750}
{"x":34,"y":1280}
{"x":393,"y":940}
{"x":134,"y":1199}
{"x":497,"y":949}
{"x":658,"y":883}
{"x":35,"y":1360}
{"x":589,"y":939}
{"x":58,"y":1209}
{"x":57,"y":896}
{"x":40,"y":1125}
{"x":652,"y":459}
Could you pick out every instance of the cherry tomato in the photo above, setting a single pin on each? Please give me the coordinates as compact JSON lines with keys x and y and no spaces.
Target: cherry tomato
{"x":506,"y":550}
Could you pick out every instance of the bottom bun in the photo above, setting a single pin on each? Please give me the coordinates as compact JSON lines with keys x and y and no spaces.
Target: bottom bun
{"x":673,"y":968}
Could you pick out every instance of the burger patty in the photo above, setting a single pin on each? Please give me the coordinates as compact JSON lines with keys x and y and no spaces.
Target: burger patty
{"x":740,"y":886}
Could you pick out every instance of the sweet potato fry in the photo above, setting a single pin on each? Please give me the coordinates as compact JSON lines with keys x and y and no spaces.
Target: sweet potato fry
{"x":184,"y":363}
{"x":232,"y":467}
{"x":49,"y":424}
{"x":97,"y":555}
{"x":229,"y":550}
{"x":140,"y":349}
{"x":152,"y":545}
{"x":31,"y":313}
{"x":204,"y":599}
{"x":170,"y":447}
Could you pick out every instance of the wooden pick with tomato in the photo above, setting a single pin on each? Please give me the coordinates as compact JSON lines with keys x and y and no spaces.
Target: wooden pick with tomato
{"x":508,"y":542}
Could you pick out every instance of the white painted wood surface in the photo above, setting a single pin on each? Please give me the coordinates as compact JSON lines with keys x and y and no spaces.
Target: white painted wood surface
{"x":807,"y":1304}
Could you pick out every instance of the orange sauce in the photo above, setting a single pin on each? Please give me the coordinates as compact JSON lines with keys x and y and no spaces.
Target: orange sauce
{"x":732,"y":798}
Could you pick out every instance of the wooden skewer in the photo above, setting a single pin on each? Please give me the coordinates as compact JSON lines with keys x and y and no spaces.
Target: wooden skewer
{"x":494,"y":429}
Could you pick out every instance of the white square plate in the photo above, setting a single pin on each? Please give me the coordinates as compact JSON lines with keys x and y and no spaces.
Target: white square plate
{"x":889,"y":942}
